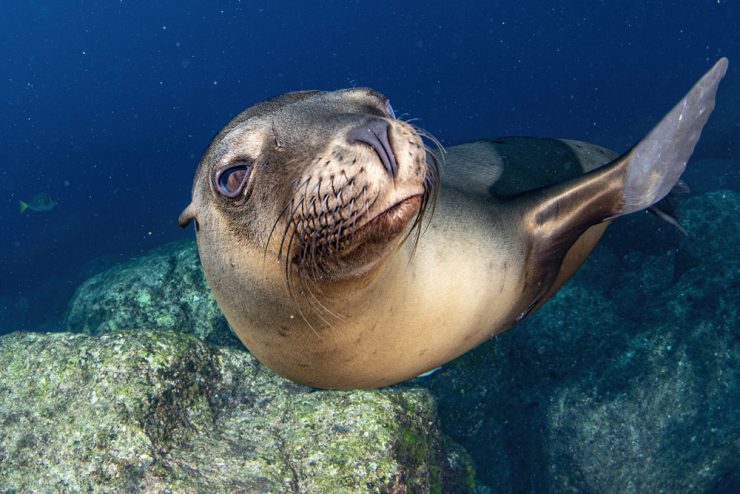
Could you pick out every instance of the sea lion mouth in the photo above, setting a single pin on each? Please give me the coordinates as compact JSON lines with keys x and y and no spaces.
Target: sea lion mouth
{"x":369,"y":237}
{"x":388,"y":223}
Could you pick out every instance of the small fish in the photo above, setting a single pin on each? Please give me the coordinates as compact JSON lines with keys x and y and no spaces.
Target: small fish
{"x":39,"y":203}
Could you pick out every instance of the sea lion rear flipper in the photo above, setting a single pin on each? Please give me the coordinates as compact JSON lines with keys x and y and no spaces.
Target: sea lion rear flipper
{"x":558,"y":215}
{"x":656,"y":163}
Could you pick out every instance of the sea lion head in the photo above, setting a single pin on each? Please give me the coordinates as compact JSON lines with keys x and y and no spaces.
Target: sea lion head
{"x":329,"y":183}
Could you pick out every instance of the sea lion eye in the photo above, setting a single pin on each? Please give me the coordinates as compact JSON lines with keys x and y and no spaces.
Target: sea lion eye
{"x":231,"y":179}
{"x":389,"y":110}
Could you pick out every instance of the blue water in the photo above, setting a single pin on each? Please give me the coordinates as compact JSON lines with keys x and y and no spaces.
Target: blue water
{"x":107,"y":105}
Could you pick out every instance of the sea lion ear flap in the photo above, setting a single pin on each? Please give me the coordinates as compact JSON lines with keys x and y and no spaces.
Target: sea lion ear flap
{"x":186,"y":216}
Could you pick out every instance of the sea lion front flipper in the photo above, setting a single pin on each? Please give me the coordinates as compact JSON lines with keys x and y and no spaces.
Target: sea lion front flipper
{"x":558,"y":215}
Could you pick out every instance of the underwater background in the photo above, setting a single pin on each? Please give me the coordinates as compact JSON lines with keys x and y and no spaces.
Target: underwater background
{"x":106,"y":107}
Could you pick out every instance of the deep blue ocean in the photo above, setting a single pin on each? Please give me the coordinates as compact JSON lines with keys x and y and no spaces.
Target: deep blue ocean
{"x":107,"y":106}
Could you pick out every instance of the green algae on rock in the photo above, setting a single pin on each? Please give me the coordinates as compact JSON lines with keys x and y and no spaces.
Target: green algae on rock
{"x":157,"y":411}
{"x":164,"y":289}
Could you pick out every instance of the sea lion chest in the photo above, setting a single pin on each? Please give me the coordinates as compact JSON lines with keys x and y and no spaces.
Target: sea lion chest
{"x":457,"y":287}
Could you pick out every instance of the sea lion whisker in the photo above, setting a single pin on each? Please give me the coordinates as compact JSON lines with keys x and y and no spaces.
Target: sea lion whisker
{"x":288,"y":225}
{"x":282,"y":212}
{"x":310,"y":221}
{"x":352,"y":215}
{"x":314,"y":238}
{"x":304,"y":244}
{"x":315,"y":229}
{"x":416,"y":228}
{"x":324,"y":205}
{"x":308,"y":285}
{"x":424,"y":134}
{"x":288,"y":277}
{"x":340,"y":203}
{"x":327,"y":228}
{"x":366,"y":207}
{"x":300,"y":248}
{"x":312,"y":307}
{"x":432,"y":182}
{"x":315,"y":234}
{"x":292,"y":217}
{"x":274,"y":226}
{"x":306,"y":194}
{"x":331,"y":182}
{"x":305,"y":319}
{"x":339,"y":233}
{"x":314,"y":198}
{"x":336,"y":218}
{"x":305,"y":284}
{"x":428,"y":202}
{"x":302,"y":280}
{"x":291,"y":221}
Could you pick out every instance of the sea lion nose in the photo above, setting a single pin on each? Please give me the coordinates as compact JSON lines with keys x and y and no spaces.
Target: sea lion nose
{"x":375,"y":133}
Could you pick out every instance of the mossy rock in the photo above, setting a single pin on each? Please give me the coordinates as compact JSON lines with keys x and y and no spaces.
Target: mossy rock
{"x":164,"y":289}
{"x":158,"y":411}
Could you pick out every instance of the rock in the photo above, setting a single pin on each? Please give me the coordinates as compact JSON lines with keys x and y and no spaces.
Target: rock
{"x":672,"y":426}
{"x":157,"y":411}
{"x":713,"y":222}
{"x":624,"y":386}
{"x":165,"y":289}
{"x":711,"y":174}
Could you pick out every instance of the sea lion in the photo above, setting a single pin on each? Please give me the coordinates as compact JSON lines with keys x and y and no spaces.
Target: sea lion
{"x":342,"y":259}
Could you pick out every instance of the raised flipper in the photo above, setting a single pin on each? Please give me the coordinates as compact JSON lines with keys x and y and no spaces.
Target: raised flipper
{"x":558,"y":215}
{"x":656,"y":163}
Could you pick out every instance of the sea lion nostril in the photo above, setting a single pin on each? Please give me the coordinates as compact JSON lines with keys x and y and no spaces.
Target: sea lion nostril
{"x":375,"y":133}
